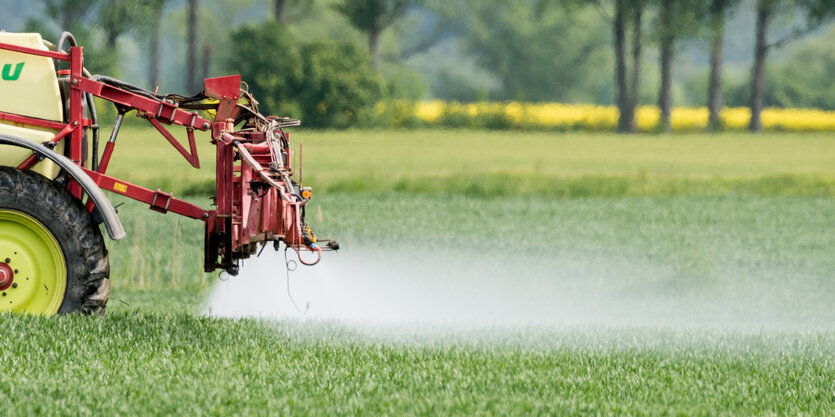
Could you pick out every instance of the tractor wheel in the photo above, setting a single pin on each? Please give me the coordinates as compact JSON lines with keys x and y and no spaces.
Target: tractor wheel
{"x":52,"y":255}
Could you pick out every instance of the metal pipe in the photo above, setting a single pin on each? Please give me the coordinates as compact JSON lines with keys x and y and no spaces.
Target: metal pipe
{"x":247,"y":157}
{"x":108,"y":148}
{"x":116,"y":126}
{"x":91,"y":106}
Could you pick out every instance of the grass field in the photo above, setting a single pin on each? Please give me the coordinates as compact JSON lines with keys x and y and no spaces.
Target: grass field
{"x":129,"y":364}
{"x":486,"y":164}
{"x":707,"y":299}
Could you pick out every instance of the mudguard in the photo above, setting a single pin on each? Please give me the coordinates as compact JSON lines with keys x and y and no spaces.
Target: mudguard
{"x":108,"y":213}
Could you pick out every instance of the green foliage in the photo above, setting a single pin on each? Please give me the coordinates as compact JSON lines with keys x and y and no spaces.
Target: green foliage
{"x":404,"y":84}
{"x":804,"y":79}
{"x":117,"y":17}
{"x":338,"y":88}
{"x":326,"y":84}
{"x":268,"y":58}
{"x":139,"y":363}
{"x":509,"y":37}
{"x":395,"y":113}
{"x":68,"y":15}
{"x":680,"y":19}
{"x":454,"y":84}
{"x":86,"y":19}
{"x":372,"y":16}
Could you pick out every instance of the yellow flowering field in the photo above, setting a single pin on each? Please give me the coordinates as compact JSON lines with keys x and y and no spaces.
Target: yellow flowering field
{"x":558,"y":116}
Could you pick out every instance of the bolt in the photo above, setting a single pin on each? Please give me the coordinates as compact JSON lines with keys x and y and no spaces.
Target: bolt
{"x":16,"y":271}
{"x":205,"y":215}
{"x":14,"y":285}
{"x":4,"y":293}
{"x":75,"y":123}
{"x":205,"y":125}
{"x":8,"y":260}
{"x":75,"y":81}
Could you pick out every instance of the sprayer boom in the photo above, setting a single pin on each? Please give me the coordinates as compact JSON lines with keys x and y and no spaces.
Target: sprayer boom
{"x":257,"y":196}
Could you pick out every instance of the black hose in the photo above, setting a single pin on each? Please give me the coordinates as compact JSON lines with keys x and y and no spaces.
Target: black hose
{"x":126,"y":85}
{"x":64,"y":37}
{"x":143,"y":92}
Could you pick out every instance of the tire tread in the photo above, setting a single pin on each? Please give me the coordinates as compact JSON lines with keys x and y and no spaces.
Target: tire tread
{"x":87,"y":260}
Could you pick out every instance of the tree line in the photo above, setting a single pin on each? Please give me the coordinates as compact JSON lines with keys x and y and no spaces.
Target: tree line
{"x":679,"y":19}
{"x":533,"y":50}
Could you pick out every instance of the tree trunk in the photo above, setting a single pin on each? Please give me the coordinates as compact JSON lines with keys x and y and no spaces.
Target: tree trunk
{"x":635,"y":88}
{"x":666,"y":58}
{"x":714,"y":89}
{"x":207,"y":54}
{"x":111,"y":36}
{"x":153,"y":63}
{"x":664,"y":96}
{"x":626,"y":116}
{"x":112,"y":32}
{"x":278,"y":10}
{"x":758,"y":72}
{"x":191,"y":46}
{"x":373,"y":46}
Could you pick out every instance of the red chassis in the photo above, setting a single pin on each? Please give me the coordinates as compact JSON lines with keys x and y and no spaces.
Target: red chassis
{"x":256,"y":200}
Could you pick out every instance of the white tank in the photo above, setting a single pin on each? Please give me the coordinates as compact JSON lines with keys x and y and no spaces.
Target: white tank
{"x":29,"y":87}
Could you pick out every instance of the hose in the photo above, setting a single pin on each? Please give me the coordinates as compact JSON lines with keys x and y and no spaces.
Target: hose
{"x":143,"y":92}
{"x":64,"y":37}
{"x":313,"y":248}
{"x":126,"y":85}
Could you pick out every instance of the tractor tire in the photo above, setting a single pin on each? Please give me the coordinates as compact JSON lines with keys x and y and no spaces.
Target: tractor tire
{"x":52,"y":255}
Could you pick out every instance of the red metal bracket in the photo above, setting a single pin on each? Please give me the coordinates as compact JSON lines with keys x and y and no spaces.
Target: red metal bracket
{"x":156,"y":199}
{"x":34,"y":121}
{"x":63,"y":56}
{"x":142,"y":104}
{"x":165,"y":106}
{"x":191,"y":157}
{"x":161,"y":201}
{"x":34,"y":158}
{"x":227,"y":89}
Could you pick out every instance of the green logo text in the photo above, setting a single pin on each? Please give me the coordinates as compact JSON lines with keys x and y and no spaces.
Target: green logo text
{"x":7,"y":71}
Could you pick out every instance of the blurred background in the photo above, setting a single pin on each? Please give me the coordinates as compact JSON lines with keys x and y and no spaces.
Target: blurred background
{"x":410,"y":63}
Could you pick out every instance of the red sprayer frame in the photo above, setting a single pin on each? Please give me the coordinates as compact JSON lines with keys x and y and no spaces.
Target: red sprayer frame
{"x":256,"y":200}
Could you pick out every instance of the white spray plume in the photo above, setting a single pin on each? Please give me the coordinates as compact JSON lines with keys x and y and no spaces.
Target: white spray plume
{"x":409,"y":286}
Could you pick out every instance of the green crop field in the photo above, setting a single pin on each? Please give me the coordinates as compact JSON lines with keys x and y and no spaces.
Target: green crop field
{"x":639,"y":275}
{"x":482,"y":163}
{"x":138,"y":363}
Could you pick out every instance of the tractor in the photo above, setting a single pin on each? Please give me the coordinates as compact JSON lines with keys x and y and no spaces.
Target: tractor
{"x":53,"y":257}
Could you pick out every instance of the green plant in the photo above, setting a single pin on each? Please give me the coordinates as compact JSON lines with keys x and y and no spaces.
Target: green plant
{"x":324,"y":83}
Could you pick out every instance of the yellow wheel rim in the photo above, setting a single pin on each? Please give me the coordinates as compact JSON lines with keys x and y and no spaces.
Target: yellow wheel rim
{"x":31,"y":254}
